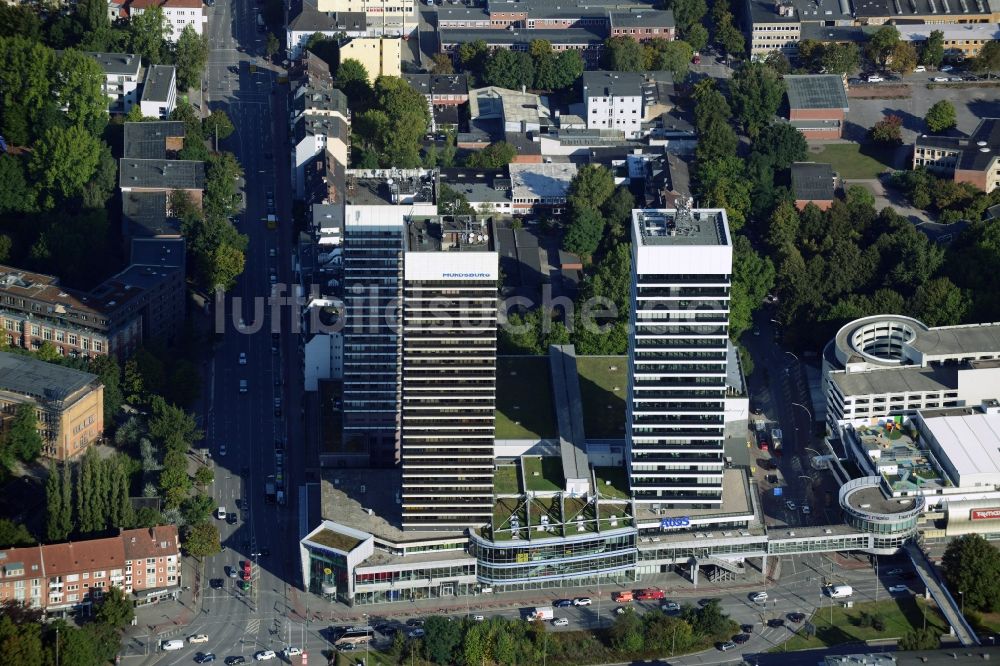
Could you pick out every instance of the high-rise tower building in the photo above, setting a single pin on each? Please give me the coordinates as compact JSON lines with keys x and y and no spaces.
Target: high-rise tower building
{"x":682,"y":263}
{"x":449,"y":373}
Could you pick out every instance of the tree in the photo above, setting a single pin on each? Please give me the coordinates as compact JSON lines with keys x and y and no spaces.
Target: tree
{"x":881,"y":45}
{"x":988,"y":59}
{"x":939,"y":303}
{"x":273,"y":45}
{"x":972,"y":566}
{"x":218,"y":125}
{"x":675,"y":57}
{"x":782,"y":144}
{"x":116,"y":610}
{"x":78,"y":84}
{"x":16,"y":196}
{"x":688,"y":13}
{"x":351,"y":72}
{"x":25,"y":89}
{"x":887,"y":130}
{"x":197,"y":509}
{"x":443,"y":639}
{"x":55,"y":529}
{"x":920,"y":639}
{"x":493,"y":156}
{"x":840,"y":58}
{"x":102,"y":184}
{"x":442,"y":64}
{"x":14,"y":534}
{"x":623,"y":54}
{"x":204,"y":476}
{"x":191,"y":56}
{"x":753,"y":279}
{"x":93,"y":15}
{"x":202,"y":540}
{"x":510,"y":69}
{"x":450,"y":202}
{"x":932,"y":54}
{"x":903,"y":58}
{"x":473,"y":56}
{"x":63,"y":162}
{"x":941,"y":116}
{"x":696,"y":36}
{"x":591,"y":186}
{"x":146,"y":34}
{"x":584,"y":231}
{"x":20,"y":20}
{"x":729,"y":38}
{"x":626,"y":633}
{"x":172,"y":426}
{"x":568,"y":68}
{"x":394,"y":129}
{"x":664,"y":633}
{"x":22,"y":439}
{"x":756,"y":93}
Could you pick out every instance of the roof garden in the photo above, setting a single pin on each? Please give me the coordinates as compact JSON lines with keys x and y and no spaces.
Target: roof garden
{"x":612,"y":483}
{"x":894,"y":450}
{"x":506,"y":480}
{"x":531,"y":518}
{"x":543,"y":474}
{"x":603,"y":387}
{"x":335,"y":540}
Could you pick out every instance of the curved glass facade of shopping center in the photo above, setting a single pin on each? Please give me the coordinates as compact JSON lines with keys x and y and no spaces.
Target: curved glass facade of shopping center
{"x":866,"y":508}
{"x":508,"y":564}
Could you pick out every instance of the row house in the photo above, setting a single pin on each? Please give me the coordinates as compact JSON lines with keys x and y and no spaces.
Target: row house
{"x":144,"y":563}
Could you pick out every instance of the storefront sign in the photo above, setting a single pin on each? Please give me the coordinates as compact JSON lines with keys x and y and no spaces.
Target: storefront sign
{"x":985,"y":514}
{"x":674,"y":523}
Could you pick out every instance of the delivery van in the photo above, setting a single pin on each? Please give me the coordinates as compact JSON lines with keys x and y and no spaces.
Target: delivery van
{"x":173,"y":644}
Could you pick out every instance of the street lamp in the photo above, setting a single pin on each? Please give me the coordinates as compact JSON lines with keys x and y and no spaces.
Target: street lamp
{"x":792,"y":355}
{"x":962,"y":594}
{"x":796,"y":404}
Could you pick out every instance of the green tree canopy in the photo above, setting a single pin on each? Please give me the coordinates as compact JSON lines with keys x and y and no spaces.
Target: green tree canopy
{"x":941,"y":116}
{"x":147,"y":32}
{"x":116,"y":610}
{"x":880,"y":45}
{"x":988,"y":59}
{"x":675,"y":57}
{"x":687,"y":13}
{"x":79,"y":85}
{"x":591,"y":186}
{"x":493,"y":156}
{"x":584,"y":232}
{"x":191,"y":54}
{"x":202,"y":540}
{"x":510,"y":69}
{"x":972,"y":567}
{"x":756,"y":93}
{"x":624,"y":54}
{"x":63,"y":162}
{"x":932,"y":54}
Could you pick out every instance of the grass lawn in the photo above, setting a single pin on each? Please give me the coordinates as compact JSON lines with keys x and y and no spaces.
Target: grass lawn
{"x":543,"y":474}
{"x":603,"y":405}
{"x":618,"y":489}
{"x":900,"y":616}
{"x":848,"y":160}
{"x":524,"y":398}
{"x":505,"y":480}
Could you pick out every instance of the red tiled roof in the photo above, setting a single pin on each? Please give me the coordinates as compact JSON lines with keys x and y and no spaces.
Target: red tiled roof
{"x":140,"y":544}
{"x":63,"y":558}
{"x":25,"y":557}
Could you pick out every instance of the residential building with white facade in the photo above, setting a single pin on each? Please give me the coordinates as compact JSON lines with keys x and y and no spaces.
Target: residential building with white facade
{"x":890,"y":365}
{"x":682,"y":264}
{"x":159,"y":92}
{"x":312,"y":135}
{"x":621,"y":100}
{"x":383,"y":18}
{"x":178,"y":14}
{"x":122,"y":72}
{"x":450,"y":274}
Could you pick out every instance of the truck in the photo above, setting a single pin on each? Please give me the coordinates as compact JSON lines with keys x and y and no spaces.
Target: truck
{"x":542,"y":613}
{"x":776,"y":440}
{"x":271,"y":221}
{"x":269,"y":491}
{"x":839,"y":591}
{"x":650,"y":594}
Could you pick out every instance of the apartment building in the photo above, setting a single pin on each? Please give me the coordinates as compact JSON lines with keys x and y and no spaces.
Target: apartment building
{"x":178,"y":14}
{"x":69,"y":403}
{"x":122,"y":72}
{"x":383,"y":18}
{"x":971,"y":159}
{"x":159,"y":92}
{"x":682,"y":264}
{"x":890,"y":365}
{"x":620,"y":101}
{"x":311,"y":136}
{"x":589,"y":41}
{"x":380,"y":56}
{"x":444,"y":94}
{"x":450,"y":274}
{"x":145,"y":563}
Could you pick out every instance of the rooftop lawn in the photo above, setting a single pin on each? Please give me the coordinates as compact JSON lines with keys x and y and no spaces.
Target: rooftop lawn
{"x":335,"y":540}
{"x":524,"y":398}
{"x":900,"y":616}
{"x":852,"y":160}
{"x":543,"y":474}
{"x":603,"y":388}
{"x":505,"y":480}
{"x":618,"y":488}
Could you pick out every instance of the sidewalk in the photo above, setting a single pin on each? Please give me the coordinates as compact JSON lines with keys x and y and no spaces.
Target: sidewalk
{"x":169,"y":617}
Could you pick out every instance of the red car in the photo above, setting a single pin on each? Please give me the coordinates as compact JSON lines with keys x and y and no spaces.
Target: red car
{"x":650,"y":594}
{"x":246,"y":570}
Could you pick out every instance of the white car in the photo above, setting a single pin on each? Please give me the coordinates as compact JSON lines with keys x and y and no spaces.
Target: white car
{"x":919,"y":68}
{"x":758,"y":597}
{"x":264,"y":655}
{"x":940,"y":79}
{"x":875,"y":78}
{"x":670,"y":606}
{"x":898,"y":588}
{"x":560,"y":622}
{"x":790,"y":505}
{"x":806,"y":510}
{"x":220,"y":513}
{"x":198,"y":638}
{"x":582,"y":601}
{"x":291,"y":651}
{"x":478,"y":618}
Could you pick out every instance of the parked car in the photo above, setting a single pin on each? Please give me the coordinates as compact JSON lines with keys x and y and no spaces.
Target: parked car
{"x":204,"y":658}
{"x":746,"y":628}
{"x":414,"y":622}
{"x":898,"y":588}
{"x":725,"y":647}
{"x":198,"y":638}
{"x":790,"y":505}
{"x":417,"y":633}
{"x":740,"y":639}
{"x":670,"y":607}
{"x":291,"y":651}
{"x":231,"y":518}
{"x":940,"y":79}
{"x":796,"y":617}
{"x":945,"y":68}
{"x":217,"y":583}
{"x":894,"y":572}
{"x":236,"y":660}
{"x":582,"y":601}
{"x":919,"y":68}
{"x":563,"y":603}
{"x":806,"y":510}
{"x":478,"y":618}
{"x":264,"y":655}
{"x":560,"y":622}
{"x":758,"y":597}
{"x":776,"y":622}
{"x":243,"y":358}
{"x":875,"y":78}
{"x":772,"y":478}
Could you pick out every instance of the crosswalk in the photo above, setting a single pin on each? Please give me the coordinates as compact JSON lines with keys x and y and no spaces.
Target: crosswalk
{"x":253,"y":626}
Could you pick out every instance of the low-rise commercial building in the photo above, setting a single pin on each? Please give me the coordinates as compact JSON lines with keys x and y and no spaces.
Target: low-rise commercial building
{"x":971,"y":159}
{"x":813,"y":183}
{"x":817,"y":104}
{"x":589,"y":41}
{"x":144,"y":563}
{"x":383,"y":18}
{"x":540,"y":187}
{"x":69,"y":403}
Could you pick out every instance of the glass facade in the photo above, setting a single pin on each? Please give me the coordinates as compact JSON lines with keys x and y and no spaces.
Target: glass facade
{"x":508,"y":562}
{"x":327,"y":568}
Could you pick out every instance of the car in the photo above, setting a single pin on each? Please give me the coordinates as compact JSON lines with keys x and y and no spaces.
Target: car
{"x":970,"y":77}
{"x":670,"y":607}
{"x":806,"y":510}
{"x":222,"y":449}
{"x":796,"y":617}
{"x":955,"y":79}
{"x":198,"y":638}
{"x":790,"y":505}
{"x":894,"y":572}
{"x":563,"y":603}
{"x":582,"y":601}
{"x":347,"y":647}
{"x":478,"y":618}
{"x":231,"y":518}
{"x":898,"y":588}
{"x":264,"y":655}
{"x":758,"y":597}
{"x":772,"y":478}
{"x":291,"y":651}
{"x":724,"y":647}
{"x":220,"y":512}
{"x":273,"y":278}
{"x":945,"y":68}
{"x":414,"y":622}
{"x":560,"y":622}
{"x":875,"y":78}
{"x":272,"y":252}
{"x":217,"y":583}
{"x":854,"y":81}
{"x":756,"y":332}
{"x":243,"y":358}
{"x":776,"y":622}
{"x":940,"y":79}
{"x":417,"y":633}
{"x":204,"y":658}
{"x":740,"y":639}
{"x":231,"y":572}
{"x":746,"y":628}
{"x":919,"y":68}
{"x":235,"y":660}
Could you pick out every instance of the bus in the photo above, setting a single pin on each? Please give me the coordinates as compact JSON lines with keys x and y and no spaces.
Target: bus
{"x":353,"y":636}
